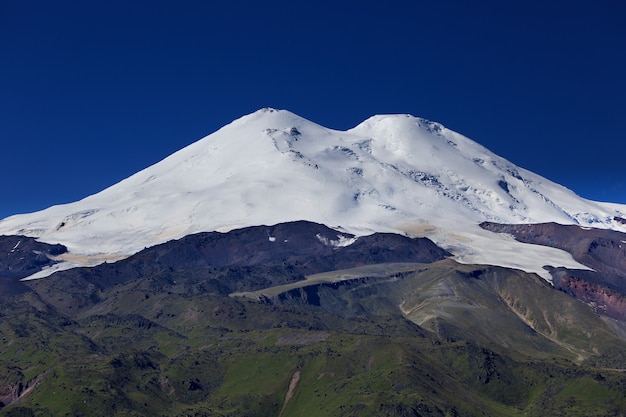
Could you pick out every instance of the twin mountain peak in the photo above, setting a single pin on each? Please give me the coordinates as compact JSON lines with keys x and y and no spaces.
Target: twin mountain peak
{"x":391,"y":173}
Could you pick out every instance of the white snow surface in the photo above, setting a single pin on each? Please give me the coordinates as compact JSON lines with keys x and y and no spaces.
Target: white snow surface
{"x":391,"y":173}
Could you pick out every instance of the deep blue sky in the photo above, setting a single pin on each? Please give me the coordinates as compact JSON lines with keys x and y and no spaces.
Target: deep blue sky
{"x":93,"y":91}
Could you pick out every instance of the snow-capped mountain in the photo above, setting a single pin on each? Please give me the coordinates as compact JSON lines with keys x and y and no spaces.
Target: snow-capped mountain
{"x":391,"y":173}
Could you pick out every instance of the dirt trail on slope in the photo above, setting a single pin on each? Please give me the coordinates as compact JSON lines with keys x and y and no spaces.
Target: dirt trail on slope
{"x":292,"y":385}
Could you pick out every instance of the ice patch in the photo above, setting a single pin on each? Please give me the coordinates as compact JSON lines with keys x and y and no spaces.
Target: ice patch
{"x":16,"y":245}
{"x":341,"y":242}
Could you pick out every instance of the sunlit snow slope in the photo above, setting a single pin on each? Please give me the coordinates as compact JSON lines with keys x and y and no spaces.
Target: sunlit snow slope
{"x":395,"y":173}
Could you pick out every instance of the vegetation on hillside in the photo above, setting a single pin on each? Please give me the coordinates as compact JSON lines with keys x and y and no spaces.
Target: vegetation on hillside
{"x":425,"y":343}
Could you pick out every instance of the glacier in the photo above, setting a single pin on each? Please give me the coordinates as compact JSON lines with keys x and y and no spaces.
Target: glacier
{"x":391,"y":173}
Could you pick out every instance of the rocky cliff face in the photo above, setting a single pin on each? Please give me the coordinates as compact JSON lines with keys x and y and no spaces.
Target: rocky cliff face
{"x":11,"y":391}
{"x":595,"y":289}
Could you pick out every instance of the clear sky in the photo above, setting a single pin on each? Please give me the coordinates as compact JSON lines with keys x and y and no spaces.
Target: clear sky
{"x":94,"y":91}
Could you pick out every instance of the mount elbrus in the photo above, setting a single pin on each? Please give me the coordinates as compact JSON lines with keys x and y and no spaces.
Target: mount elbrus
{"x":277,"y":267}
{"x":391,"y":173}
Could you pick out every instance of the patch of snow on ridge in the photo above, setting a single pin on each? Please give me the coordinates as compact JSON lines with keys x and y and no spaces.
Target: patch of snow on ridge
{"x":341,"y":242}
{"x":15,"y":247}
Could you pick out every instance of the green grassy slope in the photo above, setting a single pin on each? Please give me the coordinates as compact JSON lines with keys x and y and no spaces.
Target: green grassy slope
{"x":444,"y":340}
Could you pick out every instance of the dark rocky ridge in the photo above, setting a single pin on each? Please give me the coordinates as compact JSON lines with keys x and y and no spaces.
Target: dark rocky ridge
{"x":309,"y":247}
{"x":21,"y":256}
{"x":246,"y":259}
